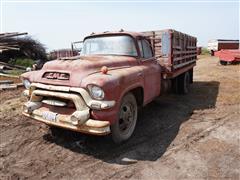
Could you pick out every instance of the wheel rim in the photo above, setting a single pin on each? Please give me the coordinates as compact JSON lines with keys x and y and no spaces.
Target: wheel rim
{"x":127,"y":117}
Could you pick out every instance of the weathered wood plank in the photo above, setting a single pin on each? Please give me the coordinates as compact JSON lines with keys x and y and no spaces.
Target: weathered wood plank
{"x":6,"y":82}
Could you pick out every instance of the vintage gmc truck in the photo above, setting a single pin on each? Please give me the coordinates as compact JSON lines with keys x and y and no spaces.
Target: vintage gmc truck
{"x":100,"y":91}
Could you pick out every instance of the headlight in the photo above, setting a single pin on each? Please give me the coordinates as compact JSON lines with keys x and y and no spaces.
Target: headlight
{"x":96,"y":92}
{"x":26,"y":83}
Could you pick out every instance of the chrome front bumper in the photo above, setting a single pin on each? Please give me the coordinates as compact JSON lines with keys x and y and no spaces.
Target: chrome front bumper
{"x":91,"y":126}
{"x":79,"y":120}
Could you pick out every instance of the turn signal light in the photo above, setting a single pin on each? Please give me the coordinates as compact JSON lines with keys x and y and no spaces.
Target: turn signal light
{"x":104,"y":70}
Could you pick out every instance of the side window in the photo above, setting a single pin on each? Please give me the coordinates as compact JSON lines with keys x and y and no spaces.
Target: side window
{"x":140,"y":47}
{"x":147,"y":51}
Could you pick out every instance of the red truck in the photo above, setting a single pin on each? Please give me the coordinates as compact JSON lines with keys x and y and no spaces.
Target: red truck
{"x":100,"y":91}
{"x":228,"y":56}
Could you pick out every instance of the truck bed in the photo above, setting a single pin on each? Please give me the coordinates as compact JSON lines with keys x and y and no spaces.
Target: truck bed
{"x":175,"y":51}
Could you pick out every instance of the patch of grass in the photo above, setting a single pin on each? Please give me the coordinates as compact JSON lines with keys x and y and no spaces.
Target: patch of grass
{"x":205,"y":51}
{"x":15,"y":72}
{"x":22,"y":62}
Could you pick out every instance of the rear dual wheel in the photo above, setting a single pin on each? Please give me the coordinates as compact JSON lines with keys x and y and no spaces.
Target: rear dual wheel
{"x":186,"y":83}
{"x":123,"y":129}
{"x":182,"y":83}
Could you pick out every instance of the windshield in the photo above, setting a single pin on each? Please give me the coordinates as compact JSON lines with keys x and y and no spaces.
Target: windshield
{"x":109,"y":45}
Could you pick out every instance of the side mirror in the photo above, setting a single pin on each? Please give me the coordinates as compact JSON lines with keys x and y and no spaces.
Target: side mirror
{"x":77,"y":46}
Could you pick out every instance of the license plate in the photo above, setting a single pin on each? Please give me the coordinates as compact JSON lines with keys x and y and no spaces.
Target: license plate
{"x":50,"y":116}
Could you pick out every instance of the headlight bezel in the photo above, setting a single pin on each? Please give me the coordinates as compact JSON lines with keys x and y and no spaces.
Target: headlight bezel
{"x":26,"y":83}
{"x":96,"y":92}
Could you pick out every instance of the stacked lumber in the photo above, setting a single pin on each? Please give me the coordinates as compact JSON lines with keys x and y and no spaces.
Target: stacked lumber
{"x":9,"y":82}
{"x":9,"y":85}
{"x":4,"y":65}
{"x":7,"y":44}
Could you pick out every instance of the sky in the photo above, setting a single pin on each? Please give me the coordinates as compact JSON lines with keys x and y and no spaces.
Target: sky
{"x":57,"y":24}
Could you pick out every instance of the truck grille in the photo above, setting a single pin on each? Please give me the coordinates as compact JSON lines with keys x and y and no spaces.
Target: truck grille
{"x":56,"y":75}
{"x":60,"y":99}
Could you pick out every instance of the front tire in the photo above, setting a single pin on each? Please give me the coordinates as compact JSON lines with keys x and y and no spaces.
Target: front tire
{"x":123,"y":129}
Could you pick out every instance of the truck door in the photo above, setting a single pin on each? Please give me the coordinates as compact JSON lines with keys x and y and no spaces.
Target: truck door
{"x":150,"y":70}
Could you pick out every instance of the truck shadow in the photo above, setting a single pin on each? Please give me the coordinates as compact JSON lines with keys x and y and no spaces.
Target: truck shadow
{"x":158,"y":125}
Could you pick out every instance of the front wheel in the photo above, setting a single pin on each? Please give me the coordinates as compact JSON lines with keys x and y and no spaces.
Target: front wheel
{"x":127,"y":119}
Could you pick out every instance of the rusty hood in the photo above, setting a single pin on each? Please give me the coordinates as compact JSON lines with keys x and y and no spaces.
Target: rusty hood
{"x":79,"y":68}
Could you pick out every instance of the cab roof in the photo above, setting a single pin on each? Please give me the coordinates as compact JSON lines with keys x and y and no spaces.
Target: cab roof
{"x":121,"y":32}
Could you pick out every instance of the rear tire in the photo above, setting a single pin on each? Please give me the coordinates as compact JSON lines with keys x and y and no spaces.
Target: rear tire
{"x":191,"y":75}
{"x":212,"y":53}
{"x":184,"y":83}
{"x":175,"y":85}
{"x":224,"y":63}
{"x":123,"y":129}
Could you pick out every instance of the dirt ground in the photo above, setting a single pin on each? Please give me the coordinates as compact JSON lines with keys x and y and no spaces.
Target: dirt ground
{"x":195,"y":136}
